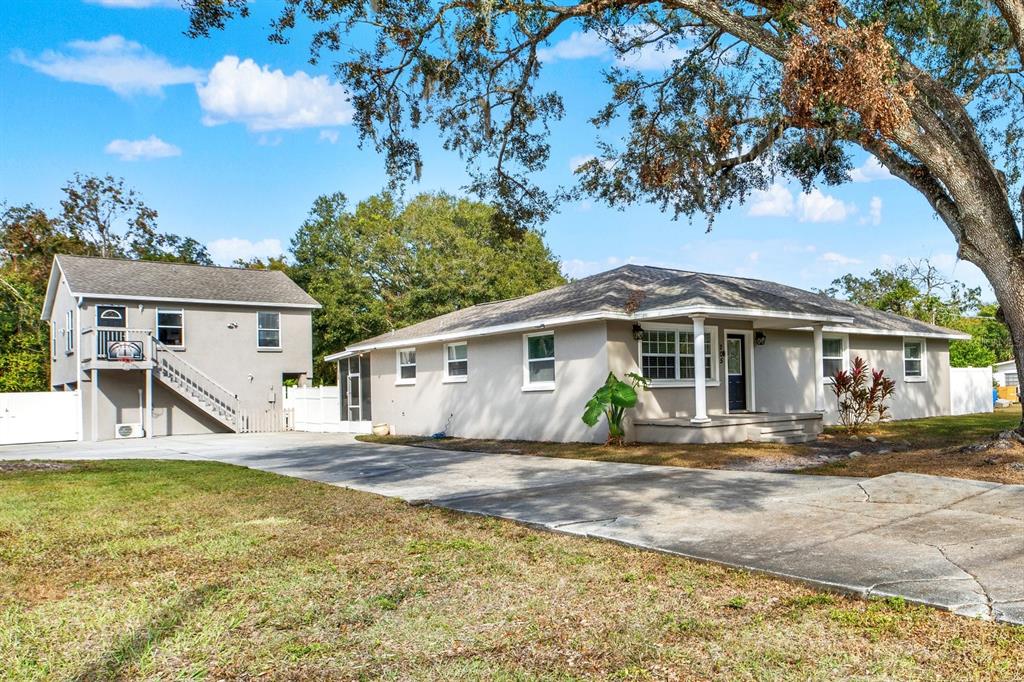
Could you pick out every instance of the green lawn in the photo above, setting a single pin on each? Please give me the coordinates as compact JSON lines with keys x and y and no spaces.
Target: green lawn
{"x":199,"y":570}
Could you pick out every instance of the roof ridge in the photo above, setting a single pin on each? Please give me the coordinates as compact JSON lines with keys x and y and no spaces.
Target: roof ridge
{"x":165,"y":262}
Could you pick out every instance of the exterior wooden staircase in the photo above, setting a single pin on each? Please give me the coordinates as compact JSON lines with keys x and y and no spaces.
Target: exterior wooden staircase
{"x":195,"y":386}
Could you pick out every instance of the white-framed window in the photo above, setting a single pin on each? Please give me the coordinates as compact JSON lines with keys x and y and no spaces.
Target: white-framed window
{"x":405,"y":359}
{"x":914,"y":366}
{"x":69,"y":331}
{"x":170,"y":327}
{"x":53,"y":340}
{"x":456,"y":362}
{"x":834,"y":355}
{"x":539,"y":361}
{"x":268,"y":330}
{"x":667,"y":355}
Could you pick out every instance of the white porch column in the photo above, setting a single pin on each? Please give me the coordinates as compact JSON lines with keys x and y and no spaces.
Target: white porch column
{"x":148,"y":419}
{"x":700,"y":388}
{"x":819,"y":371}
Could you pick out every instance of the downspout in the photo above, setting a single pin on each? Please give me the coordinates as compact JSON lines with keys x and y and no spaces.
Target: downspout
{"x":78,"y":365}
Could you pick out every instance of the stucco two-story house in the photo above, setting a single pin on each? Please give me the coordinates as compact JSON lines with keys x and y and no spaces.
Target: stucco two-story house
{"x":728,"y":358}
{"x":160,"y":349}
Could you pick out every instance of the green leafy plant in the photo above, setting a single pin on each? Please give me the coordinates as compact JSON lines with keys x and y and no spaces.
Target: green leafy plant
{"x":612,"y":400}
{"x":859,"y":401}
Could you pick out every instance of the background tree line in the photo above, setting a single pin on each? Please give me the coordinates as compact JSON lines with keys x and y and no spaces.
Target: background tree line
{"x":374,"y":268}
{"x":918,"y":290}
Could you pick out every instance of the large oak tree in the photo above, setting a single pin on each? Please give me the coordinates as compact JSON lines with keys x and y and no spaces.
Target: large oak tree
{"x":933,"y":90}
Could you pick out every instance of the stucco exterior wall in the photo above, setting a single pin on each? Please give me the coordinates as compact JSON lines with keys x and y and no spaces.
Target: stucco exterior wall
{"x":230,"y":356}
{"x":63,"y":365}
{"x":670,"y":401}
{"x":492,"y":402}
{"x":784,"y":374}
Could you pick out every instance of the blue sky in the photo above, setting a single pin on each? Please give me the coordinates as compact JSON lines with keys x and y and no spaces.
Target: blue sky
{"x":231,"y":138}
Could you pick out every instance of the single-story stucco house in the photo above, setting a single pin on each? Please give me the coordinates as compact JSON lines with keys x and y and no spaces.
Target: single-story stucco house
{"x":524,"y":368}
{"x":1005,"y":373}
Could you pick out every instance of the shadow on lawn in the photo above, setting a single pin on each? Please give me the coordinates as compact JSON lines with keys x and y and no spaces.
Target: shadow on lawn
{"x":129,"y":649}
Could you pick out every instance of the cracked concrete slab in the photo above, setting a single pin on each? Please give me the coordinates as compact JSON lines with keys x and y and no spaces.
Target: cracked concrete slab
{"x":950,"y":543}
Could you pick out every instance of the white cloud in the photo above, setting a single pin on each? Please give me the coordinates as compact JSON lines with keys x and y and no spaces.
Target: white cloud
{"x":579,"y":45}
{"x":817,"y":207}
{"x":774,"y":201}
{"x":871,"y":170}
{"x":136,"y":4}
{"x":124,"y":66}
{"x":838,"y":258}
{"x":328,"y":136}
{"x":588,"y":44}
{"x":150,"y":148}
{"x":227,"y":251}
{"x":875,"y":210}
{"x":243,"y":92}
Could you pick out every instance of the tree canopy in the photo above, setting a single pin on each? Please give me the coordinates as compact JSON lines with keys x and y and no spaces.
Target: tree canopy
{"x":100,"y":216}
{"x":762,"y":88}
{"x":385,"y":265}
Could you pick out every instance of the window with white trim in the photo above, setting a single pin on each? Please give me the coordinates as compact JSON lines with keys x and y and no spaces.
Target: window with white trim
{"x":456,"y":361}
{"x":170,"y":327}
{"x":539,"y":360}
{"x":833,"y":356}
{"x":913,"y":360}
{"x":268,"y":330}
{"x":667,"y":355}
{"x":69,"y":331}
{"x":406,"y":360}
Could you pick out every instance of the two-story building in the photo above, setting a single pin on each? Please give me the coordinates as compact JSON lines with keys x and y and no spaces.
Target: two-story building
{"x":160,"y":348}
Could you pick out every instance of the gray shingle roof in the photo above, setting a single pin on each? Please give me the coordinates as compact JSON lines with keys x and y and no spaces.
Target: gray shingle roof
{"x":650,"y":289}
{"x":180,"y":282}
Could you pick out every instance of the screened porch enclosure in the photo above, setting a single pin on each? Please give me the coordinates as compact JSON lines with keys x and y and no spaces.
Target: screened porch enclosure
{"x":354,"y":388}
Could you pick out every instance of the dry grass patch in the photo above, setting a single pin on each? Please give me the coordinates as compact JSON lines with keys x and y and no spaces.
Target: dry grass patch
{"x":188,"y":569}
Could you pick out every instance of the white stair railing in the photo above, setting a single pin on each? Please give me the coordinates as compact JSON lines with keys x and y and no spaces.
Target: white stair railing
{"x":195,"y":384}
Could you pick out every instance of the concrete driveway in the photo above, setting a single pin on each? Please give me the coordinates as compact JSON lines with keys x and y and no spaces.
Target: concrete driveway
{"x":951,"y":543}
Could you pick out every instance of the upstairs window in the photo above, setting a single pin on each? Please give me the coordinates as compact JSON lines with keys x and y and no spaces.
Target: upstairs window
{"x":170,"y":327}
{"x":539,"y":369}
{"x":69,"y":331}
{"x":268,"y":330}
{"x":913,"y":360}
{"x":456,"y":362}
{"x":406,"y":359}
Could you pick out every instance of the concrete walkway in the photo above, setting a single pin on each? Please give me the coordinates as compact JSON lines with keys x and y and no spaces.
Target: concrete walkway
{"x":951,"y":543}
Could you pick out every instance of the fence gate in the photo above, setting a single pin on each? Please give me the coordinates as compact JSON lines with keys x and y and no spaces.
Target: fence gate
{"x":40,"y":417}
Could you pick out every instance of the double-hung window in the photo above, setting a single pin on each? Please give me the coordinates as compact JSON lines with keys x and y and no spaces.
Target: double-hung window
{"x":667,"y":355}
{"x":406,"y":360}
{"x":69,"y":332}
{"x":833,"y":356}
{"x":539,"y":361}
{"x":170,"y":327}
{"x":913,"y":360}
{"x":456,"y":362}
{"x":268,"y":331}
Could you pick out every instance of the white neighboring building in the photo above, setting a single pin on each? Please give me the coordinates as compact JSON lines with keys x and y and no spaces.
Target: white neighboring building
{"x":1005,"y":373}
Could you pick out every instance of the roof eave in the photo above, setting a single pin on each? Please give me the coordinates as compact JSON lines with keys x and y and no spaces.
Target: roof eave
{"x":210,"y":301}
{"x":514,"y":327}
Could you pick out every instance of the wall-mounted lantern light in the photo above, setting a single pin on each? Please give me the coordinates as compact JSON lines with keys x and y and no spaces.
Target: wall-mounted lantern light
{"x":759,"y":338}
{"x":638,"y":331}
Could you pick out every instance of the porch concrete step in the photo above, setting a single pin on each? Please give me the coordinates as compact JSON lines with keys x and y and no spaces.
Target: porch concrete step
{"x":788,"y":438}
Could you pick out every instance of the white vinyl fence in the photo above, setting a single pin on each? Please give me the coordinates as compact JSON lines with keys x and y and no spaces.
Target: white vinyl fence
{"x":318,"y":409}
{"x":40,"y":417}
{"x":970,"y":389}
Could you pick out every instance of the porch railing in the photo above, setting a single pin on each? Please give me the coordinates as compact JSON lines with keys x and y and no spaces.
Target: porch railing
{"x":138,"y":340}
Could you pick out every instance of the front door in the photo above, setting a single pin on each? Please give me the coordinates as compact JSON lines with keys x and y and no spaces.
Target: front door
{"x":736,"y":371}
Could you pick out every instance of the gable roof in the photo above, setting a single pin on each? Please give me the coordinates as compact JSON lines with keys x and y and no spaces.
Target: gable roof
{"x":92,"y":277}
{"x":652,"y":292}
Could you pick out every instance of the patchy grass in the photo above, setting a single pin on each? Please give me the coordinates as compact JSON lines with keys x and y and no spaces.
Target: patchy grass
{"x":943,"y":432}
{"x":715,"y":456}
{"x":926,"y":446}
{"x":134,"y":569}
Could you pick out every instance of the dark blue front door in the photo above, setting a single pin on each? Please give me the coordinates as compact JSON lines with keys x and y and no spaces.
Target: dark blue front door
{"x":736,"y":371}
